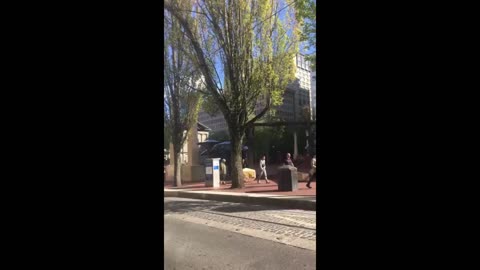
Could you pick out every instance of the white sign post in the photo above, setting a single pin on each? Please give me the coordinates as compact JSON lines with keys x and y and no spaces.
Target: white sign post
{"x":212,"y":172}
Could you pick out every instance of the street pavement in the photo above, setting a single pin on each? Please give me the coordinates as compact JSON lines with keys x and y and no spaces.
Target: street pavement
{"x":201,"y":234}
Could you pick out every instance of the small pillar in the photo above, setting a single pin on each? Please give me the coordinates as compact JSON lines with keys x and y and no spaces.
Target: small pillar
{"x":287,"y":178}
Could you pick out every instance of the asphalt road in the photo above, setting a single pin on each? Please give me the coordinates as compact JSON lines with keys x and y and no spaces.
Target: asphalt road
{"x":202,"y":234}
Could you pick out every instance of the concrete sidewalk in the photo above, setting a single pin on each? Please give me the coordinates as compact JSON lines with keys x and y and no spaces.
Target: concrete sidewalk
{"x":253,"y":193}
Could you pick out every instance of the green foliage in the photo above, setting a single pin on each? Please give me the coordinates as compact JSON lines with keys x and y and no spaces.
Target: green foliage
{"x":305,"y":11}
{"x":269,"y":140}
{"x":266,"y":138}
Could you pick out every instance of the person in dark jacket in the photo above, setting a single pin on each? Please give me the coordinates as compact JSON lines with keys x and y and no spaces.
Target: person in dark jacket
{"x":288,"y":160}
{"x":313,"y":170}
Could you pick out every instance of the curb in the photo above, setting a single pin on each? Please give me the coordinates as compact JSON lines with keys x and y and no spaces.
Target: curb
{"x":272,"y":201}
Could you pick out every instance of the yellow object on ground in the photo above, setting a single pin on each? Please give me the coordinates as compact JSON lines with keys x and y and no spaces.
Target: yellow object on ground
{"x":249,"y":173}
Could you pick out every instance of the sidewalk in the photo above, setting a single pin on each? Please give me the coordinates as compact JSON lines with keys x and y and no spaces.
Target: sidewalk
{"x":303,"y":198}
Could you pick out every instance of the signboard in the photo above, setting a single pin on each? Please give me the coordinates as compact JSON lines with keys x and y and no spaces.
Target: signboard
{"x":215,"y":167}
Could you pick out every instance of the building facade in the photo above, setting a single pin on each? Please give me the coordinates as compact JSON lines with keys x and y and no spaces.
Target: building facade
{"x":297,"y":94}
{"x":216,"y":122}
{"x":202,"y":135}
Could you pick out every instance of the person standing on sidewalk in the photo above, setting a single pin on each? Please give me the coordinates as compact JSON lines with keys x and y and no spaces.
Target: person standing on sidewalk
{"x":313,"y":170}
{"x":288,"y":160}
{"x":223,"y":171}
{"x":263,"y":168}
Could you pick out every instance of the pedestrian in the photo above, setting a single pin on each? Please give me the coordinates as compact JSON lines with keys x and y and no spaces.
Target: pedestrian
{"x":263,"y":168}
{"x":223,"y":171}
{"x":244,"y":158}
{"x":313,"y":170}
{"x":288,"y":160}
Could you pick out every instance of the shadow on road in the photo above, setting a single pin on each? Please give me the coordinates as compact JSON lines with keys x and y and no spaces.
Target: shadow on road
{"x":184,"y":206}
{"x":223,"y":209}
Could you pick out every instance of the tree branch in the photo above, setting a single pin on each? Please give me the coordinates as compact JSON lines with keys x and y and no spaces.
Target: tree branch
{"x":210,"y":83}
{"x":262,"y":113}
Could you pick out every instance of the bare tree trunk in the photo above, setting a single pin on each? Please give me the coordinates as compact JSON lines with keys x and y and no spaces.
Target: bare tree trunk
{"x":237,"y":171}
{"x":177,"y":173}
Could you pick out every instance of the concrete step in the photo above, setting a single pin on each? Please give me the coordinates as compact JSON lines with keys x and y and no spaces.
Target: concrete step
{"x":290,"y":202}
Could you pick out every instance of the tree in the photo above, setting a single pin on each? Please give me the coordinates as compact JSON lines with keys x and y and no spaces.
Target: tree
{"x":306,"y":14}
{"x":166,"y":129}
{"x":266,"y":138}
{"x":181,"y":81}
{"x":245,"y":51}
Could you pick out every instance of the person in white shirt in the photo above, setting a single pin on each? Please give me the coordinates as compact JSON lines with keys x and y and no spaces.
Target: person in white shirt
{"x":263,"y":168}
{"x":223,"y":171}
{"x":313,"y":170}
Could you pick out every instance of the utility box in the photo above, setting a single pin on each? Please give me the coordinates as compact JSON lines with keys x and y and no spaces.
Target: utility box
{"x":212,"y":172}
{"x":287,"y":178}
